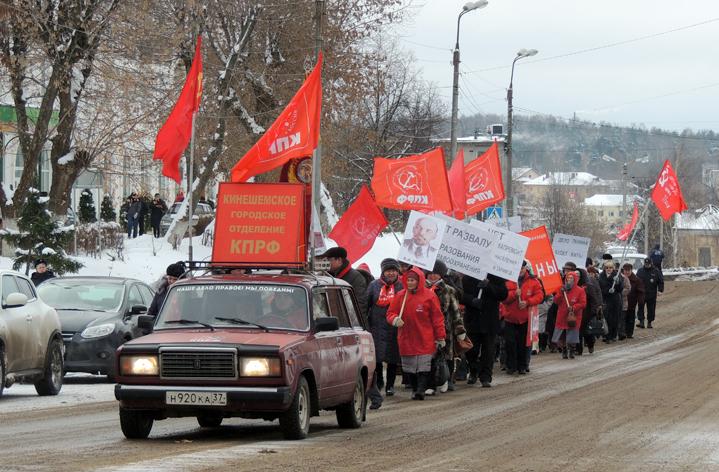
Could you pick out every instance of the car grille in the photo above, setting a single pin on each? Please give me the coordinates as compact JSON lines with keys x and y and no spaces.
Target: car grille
{"x":215,"y":364}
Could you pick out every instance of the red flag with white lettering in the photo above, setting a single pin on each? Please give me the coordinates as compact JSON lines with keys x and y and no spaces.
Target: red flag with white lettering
{"x":457,"y":191}
{"x":541,"y":255}
{"x":667,"y":195}
{"x":629,"y":227}
{"x":294,"y":133}
{"x":483,"y":181}
{"x":412,"y":183}
{"x":359,"y":226}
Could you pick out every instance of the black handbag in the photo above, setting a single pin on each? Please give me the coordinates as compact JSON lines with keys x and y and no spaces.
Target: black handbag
{"x":597,"y":326}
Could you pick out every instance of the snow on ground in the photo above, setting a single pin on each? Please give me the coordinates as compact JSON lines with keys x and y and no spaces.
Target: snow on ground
{"x":145,"y":258}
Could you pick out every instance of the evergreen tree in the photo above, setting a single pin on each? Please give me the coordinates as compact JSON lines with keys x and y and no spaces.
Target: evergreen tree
{"x":107,"y":210}
{"x":38,"y":236}
{"x":87,"y":207}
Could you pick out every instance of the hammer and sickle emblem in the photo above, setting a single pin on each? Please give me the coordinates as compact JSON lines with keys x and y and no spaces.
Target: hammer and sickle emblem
{"x":409,"y":179}
{"x":478,"y":182}
{"x":360,"y":226}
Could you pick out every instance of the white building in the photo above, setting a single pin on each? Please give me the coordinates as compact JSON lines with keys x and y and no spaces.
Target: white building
{"x":609,"y":208}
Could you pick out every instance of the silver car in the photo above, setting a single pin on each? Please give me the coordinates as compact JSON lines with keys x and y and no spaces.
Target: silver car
{"x":31,"y":349}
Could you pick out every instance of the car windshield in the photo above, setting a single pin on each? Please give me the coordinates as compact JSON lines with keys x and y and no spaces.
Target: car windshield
{"x":82,"y":295}
{"x":250,"y":306}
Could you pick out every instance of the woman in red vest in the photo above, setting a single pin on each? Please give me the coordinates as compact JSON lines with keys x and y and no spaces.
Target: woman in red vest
{"x":571,"y":300}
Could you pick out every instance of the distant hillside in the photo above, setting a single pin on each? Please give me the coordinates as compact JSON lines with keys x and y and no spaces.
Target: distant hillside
{"x":548,"y":143}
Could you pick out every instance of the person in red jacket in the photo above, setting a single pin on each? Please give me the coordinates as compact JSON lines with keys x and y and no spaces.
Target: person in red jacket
{"x":570,"y":298}
{"x":523,"y":294}
{"x":416,"y":313}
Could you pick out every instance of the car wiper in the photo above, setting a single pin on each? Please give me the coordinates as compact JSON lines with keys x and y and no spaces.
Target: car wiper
{"x":82,"y":309}
{"x":184,"y":321}
{"x":243,"y":322}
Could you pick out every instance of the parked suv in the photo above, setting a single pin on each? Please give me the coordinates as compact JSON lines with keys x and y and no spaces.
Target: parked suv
{"x":202,"y":216}
{"x":31,"y":348}
{"x":265,"y":345}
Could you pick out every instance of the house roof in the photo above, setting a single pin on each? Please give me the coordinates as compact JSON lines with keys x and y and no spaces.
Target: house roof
{"x":568,"y":179}
{"x":520,"y":172}
{"x":706,"y":219}
{"x":479,"y":139}
{"x":604,"y":199}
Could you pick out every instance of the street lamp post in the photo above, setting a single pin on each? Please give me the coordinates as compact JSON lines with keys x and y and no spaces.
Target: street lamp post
{"x":468,"y":7}
{"x":508,"y":146}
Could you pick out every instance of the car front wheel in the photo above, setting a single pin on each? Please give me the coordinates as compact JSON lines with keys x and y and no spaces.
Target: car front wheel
{"x":349,"y":415}
{"x":295,"y":422}
{"x":135,"y":424}
{"x":51,"y":381}
{"x":2,"y":370}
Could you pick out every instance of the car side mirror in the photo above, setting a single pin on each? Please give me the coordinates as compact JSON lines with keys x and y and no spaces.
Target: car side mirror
{"x":15,"y":300}
{"x":146,"y":323}
{"x":137,"y":310}
{"x":329,"y":323}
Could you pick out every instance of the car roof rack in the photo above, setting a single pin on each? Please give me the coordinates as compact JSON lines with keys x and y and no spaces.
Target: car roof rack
{"x":209,"y":267}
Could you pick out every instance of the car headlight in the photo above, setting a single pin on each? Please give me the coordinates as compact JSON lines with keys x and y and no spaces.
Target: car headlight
{"x":259,"y":367}
{"x":139,"y":365}
{"x":98,"y":331}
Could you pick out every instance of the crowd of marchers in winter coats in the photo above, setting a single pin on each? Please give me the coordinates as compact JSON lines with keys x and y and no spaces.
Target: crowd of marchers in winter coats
{"x":438,"y":327}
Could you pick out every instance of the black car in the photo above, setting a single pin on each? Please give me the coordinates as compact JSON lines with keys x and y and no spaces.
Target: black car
{"x":97,"y":315}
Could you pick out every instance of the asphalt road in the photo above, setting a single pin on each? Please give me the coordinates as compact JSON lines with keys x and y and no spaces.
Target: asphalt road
{"x":651,"y":403}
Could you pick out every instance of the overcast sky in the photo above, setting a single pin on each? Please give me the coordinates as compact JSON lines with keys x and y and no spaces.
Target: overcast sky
{"x":664,"y":72}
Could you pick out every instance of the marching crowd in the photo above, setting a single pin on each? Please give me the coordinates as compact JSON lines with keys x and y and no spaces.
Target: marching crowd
{"x":439,"y":327}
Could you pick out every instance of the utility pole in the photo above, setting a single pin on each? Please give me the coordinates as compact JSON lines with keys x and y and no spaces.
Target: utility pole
{"x":317,"y":156}
{"x":624,"y":190}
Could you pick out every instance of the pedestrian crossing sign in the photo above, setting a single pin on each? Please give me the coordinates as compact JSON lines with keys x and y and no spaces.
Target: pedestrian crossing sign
{"x":494,"y":212}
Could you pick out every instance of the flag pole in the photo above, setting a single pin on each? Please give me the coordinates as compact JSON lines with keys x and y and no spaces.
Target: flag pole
{"x":317,"y":155}
{"x":190,"y":184}
{"x":636,"y":227}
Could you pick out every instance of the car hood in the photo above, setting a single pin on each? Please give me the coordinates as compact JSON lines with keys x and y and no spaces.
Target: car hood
{"x":221,"y":336}
{"x":74,"y":321}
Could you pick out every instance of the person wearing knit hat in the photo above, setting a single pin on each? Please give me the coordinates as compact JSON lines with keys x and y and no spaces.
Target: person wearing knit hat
{"x":443,"y":361}
{"x":340,"y":268}
{"x":380,"y":294}
{"x":172,"y":274}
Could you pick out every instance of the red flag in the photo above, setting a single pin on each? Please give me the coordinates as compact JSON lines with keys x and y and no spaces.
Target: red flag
{"x":174,"y":136}
{"x":483,"y":181}
{"x":359,"y":226}
{"x":667,"y":195}
{"x":541,"y":255}
{"x":294,"y":133}
{"x":629,"y":227}
{"x":457,"y":191}
{"x":412,"y":183}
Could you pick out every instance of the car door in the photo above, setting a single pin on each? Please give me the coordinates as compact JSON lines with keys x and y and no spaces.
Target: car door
{"x":18,"y":323}
{"x":39,"y":335}
{"x":350,"y":342}
{"x":328,"y":347}
{"x":134,"y":297}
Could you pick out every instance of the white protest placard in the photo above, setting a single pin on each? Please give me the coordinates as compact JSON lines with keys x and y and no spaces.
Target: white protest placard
{"x":513,"y":223}
{"x":507,"y":253}
{"x":421,"y":240}
{"x":570,"y":248}
{"x":465,"y":248}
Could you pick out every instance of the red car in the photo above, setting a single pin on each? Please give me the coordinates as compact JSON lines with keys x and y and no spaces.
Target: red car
{"x":271,"y":346}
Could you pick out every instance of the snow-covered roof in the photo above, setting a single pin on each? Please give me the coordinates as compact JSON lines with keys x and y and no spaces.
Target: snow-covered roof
{"x":520,"y":172}
{"x":567,"y":178}
{"x":603,"y":199}
{"x":479,"y":139}
{"x":705,"y":219}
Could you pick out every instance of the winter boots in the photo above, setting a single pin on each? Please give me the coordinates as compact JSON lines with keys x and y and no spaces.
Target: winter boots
{"x":419,"y":384}
{"x":640,"y":324}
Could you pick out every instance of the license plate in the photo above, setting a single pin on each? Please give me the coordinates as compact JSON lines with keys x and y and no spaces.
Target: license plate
{"x":196,"y":398}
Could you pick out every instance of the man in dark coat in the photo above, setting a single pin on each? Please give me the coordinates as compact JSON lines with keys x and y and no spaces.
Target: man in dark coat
{"x":42,"y":273}
{"x":653,"y":281}
{"x":657,"y":256}
{"x":133,"y":215}
{"x":172,"y":274}
{"x":635,"y":298}
{"x":157,"y":210}
{"x":340,"y":268}
{"x":612,"y":285}
{"x":481,"y":300}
